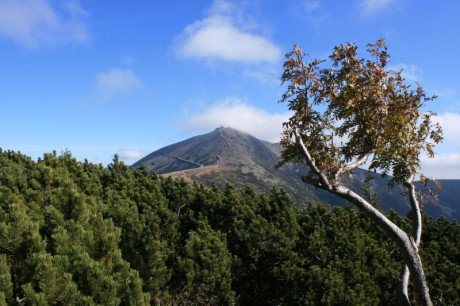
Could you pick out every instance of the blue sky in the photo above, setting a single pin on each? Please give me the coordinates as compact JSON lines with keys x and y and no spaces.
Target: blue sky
{"x":128,"y":77}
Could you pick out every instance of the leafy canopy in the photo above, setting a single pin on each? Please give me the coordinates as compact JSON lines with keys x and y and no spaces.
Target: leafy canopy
{"x":352,"y":109}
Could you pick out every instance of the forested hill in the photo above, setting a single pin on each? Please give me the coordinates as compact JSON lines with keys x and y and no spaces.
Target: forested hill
{"x":227,"y":155}
{"x":76,"y":233}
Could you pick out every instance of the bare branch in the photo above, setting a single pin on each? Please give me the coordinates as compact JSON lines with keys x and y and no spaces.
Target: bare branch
{"x":350,"y":166}
{"x":415,"y":206}
{"x":416,"y":233}
{"x":311,"y":162}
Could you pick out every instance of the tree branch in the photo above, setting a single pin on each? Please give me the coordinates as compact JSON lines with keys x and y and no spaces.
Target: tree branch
{"x":311,"y":162}
{"x":415,"y":206}
{"x":416,"y":234}
{"x":350,"y":166}
{"x":406,"y":242}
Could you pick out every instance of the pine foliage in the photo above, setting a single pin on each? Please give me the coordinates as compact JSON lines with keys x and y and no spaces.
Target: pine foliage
{"x":76,"y":233}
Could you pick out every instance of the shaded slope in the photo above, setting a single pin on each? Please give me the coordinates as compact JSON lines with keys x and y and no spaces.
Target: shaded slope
{"x":227,"y":155}
{"x":224,"y":156}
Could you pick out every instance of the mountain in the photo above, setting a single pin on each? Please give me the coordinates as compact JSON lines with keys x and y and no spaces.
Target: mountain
{"x":224,"y":156}
{"x":448,"y":204}
{"x":227,"y":155}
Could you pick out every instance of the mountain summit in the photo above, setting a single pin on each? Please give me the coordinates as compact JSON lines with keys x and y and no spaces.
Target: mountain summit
{"x":223,"y":146}
{"x":227,"y":155}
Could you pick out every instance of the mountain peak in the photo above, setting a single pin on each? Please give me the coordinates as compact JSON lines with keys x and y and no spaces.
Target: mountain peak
{"x":231,"y":132}
{"x":224,"y":155}
{"x":224,"y":145}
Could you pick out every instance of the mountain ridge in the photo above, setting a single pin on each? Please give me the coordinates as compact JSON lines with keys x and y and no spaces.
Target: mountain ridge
{"x":227,"y":155}
{"x":217,"y":156}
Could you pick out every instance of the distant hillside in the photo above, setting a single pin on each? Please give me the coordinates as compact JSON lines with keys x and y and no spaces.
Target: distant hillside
{"x":448,"y":204}
{"x":227,"y":155}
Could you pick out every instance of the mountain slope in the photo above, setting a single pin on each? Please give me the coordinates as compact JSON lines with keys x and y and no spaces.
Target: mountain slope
{"x":227,"y":155}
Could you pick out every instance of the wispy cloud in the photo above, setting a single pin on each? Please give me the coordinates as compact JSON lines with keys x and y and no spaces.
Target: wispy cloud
{"x":116,"y":81}
{"x":311,"y":5}
{"x":303,"y":7}
{"x":35,"y":23}
{"x":221,"y":37}
{"x":369,"y":7}
{"x":445,"y":92}
{"x":128,"y":60}
{"x":411,"y":73}
{"x":451,"y":129}
{"x":131,"y":155}
{"x":313,"y":11}
{"x":239,"y":114}
{"x":445,"y":164}
{"x":266,"y":75}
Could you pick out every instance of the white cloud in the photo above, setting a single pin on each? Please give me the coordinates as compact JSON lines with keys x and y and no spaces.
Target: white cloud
{"x":128,"y":60}
{"x":442,"y":166}
{"x":221,"y":7}
{"x":267,"y":75}
{"x":411,"y":73}
{"x":35,"y":23}
{"x":131,"y":155}
{"x":312,"y":5}
{"x":236,"y":113}
{"x":369,"y":7}
{"x":450,"y":123}
{"x":315,"y":12}
{"x":303,"y":7}
{"x":445,"y":92}
{"x":219,"y":37}
{"x":116,"y":81}
{"x":446,"y":163}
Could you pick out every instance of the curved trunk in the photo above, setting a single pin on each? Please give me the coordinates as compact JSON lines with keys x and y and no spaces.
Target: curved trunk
{"x":416,"y":235}
{"x":406,"y":243}
{"x":404,"y":285}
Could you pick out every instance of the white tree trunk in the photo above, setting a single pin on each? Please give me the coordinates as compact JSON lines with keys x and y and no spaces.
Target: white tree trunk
{"x":406,"y":243}
{"x":416,"y":235}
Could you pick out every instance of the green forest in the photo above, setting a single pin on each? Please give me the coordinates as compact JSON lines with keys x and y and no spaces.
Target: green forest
{"x":78,"y":233}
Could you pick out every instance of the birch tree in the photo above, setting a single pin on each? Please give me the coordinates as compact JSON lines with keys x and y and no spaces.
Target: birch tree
{"x":348,"y":111}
